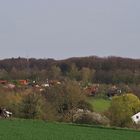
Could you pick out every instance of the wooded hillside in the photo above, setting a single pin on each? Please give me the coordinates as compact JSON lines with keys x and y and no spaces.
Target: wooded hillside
{"x":99,"y":70}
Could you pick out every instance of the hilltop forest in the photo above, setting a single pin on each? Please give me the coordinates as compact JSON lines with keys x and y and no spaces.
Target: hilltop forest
{"x":107,"y":70}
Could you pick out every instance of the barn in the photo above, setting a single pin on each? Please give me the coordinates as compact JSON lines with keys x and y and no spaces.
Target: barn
{"x":136,"y":118}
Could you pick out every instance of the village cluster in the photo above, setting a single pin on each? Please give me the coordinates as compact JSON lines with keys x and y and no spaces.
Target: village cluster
{"x":28,"y":83}
{"x":90,"y":90}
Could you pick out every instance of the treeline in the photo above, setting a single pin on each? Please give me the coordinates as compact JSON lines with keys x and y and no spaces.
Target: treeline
{"x":91,"y":69}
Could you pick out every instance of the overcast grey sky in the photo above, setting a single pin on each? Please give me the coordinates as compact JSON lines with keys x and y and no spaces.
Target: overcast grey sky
{"x":66,"y":28}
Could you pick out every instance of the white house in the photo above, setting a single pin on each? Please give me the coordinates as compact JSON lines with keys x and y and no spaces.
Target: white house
{"x":136,"y":118}
{"x":8,"y":114}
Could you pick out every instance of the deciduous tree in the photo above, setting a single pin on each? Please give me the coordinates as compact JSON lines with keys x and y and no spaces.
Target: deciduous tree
{"x":122,"y":108}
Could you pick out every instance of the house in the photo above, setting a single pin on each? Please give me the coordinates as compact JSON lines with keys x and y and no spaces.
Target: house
{"x":45,"y":85}
{"x":4,"y":113}
{"x":136,"y":118}
{"x":113,"y":91}
{"x":10,"y":86}
{"x":91,"y":90}
{"x":54,"y":82}
{"x":3,"y":82}
{"x":23,"y":82}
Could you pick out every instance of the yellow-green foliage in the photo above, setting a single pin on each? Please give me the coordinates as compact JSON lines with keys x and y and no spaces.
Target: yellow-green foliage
{"x":122,"y":108}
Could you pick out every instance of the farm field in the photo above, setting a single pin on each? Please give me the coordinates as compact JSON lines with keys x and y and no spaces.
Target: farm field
{"x":39,"y":130}
{"x":99,"y":104}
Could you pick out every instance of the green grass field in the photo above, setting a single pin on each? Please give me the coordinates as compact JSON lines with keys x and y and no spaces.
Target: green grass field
{"x":39,"y":130}
{"x":99,"y":105}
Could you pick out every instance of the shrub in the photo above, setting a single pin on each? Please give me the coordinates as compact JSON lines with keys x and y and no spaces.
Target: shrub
{"x":87,"y":117}
{"x":33,"y":106}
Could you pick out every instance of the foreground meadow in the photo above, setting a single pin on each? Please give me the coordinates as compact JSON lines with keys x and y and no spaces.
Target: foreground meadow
{"x":39,"y":130}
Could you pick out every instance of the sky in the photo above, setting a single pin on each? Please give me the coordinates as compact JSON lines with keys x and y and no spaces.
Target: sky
{"x":61,"y":29}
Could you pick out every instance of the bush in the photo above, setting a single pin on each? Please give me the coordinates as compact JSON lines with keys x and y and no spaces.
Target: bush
{"x":122,"y":108}
{"x":33,"y":106}
{"x":87,"y":117}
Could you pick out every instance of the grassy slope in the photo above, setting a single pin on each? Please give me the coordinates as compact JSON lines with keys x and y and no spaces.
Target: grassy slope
{"x":39,"y":130}
{"x":99,"y":105}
